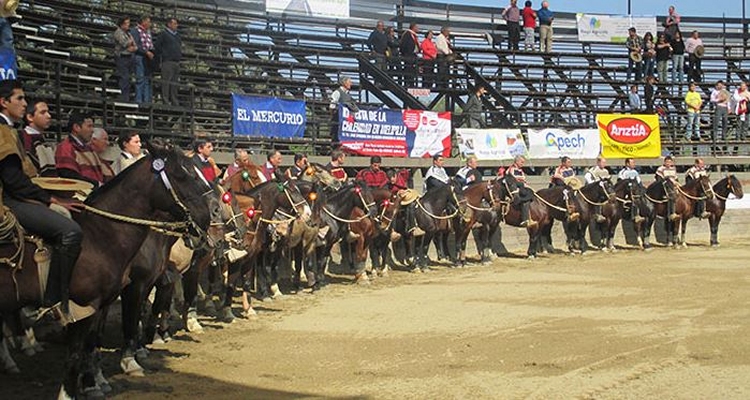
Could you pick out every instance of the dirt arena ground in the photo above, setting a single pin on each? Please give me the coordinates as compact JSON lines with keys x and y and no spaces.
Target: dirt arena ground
{"x":667,"y":324}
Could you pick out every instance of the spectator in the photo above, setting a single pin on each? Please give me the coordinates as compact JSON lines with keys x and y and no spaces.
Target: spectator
{"x":74,"y":157}
{"x":130,"y":151}
{"x":373,"y":177}
{"x":38,"y":120}
{"x":392,"y":52}
{"x":169,"y":48}
{"x":203,"y":160}
{"x":144,"y":56}
{"x":529,"y":24}
{"x":720,"y":99}
{"x":545,"y":27}
{"x":99,"y":141}
{"x":429,"y":54}
{"x":649,"y":55}
{"x":445,"y":55}
{"x":473,"y":113}
{"x":512,"y":16}
{"x":678,"y":57}
{"x":635,"y":57}
{"x":125,"y":48}
{"x":300,"y":165}
{"x":241,"y":158}
{"x":740,"y":99}
{"x":378,"y":44}
{"x":648,"y":94}
{"x":270,"y":171}
{"x":663,"y":53}
{"x":340,"y":96}
{"x":693,"y":102}
{"x":634,"y":100}
{"x":694,"y":49}
{"x":336,"y":166}
{"x":672,"y":24}
{"x":409,"y":47}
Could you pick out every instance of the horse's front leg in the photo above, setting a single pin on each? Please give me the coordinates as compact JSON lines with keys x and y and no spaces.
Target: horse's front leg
{"x":713,"y":223}
{"x":683,"y":228}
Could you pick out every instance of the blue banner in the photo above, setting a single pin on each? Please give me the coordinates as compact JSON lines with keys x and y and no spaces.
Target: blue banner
{"x":8,"y":68}
{"x":268,"y":117}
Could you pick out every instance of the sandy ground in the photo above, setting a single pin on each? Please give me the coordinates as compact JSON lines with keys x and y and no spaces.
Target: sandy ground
{"x":667,"y":324}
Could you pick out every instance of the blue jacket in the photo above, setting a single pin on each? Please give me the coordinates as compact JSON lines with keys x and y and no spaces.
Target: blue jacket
{"x":545,"y":16}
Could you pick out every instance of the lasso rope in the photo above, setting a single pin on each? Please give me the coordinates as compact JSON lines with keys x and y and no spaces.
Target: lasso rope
{"x":440,"y":217}
{"x":548,"y":203}
{"x":679,"y":189}
{"x":172,"y":226}
{"x":9,"y":229}
{"x":591,"y":202}
{"x":343,"y":220}
{"x":654,"y":200}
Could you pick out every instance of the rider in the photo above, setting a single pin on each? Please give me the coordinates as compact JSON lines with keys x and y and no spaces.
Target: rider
{"x":336,"y":166}
{"x":30,"y":204}
{"x":38,"y":120}
{"x":595,"y":174}
{"x":241,"y":158}
{"x":525,"y":194}
{"x":398,"y":184}
{"x":203,"y":160}
{"x":469,"y":175}
{"x":74,"y":157}
{"x":270,"y":170}
{"x":629,"y":172}
{"x":436,"y":175}
{"x":695,"y":172}
{"x":300,"y":164}
{"x":373,"y":176}
{"x":564,"y":176}
{"x":667,"y":176}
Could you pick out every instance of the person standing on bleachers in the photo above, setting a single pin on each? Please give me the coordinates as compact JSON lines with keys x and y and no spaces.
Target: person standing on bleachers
{"x":429,"y":54}
{"x":529,"y":24}
{"x":545,"y":27}
{"x":409,"y":48}
{"x":445,"y":55}
{"x":392,"y":51}
{"x":720,"y":99}
{"x":634,"y":100}
{"x":693,"y":103}
{"x":678,"y":57}
{"x":663,"y":53}
{"x":695,"y":71}
{"x":648,"y":94}
{"x":340,"y":96}
{"x":378,"y":44}
{"x":473,"y":110}
{"x":144,"y":56}
{"x":512,"y":17}
{"x":635,"y":54}
{"x":168,"y":47}
{"x":740,"y":100}
{"x":125,"y":49}
{"x":672,"y":24}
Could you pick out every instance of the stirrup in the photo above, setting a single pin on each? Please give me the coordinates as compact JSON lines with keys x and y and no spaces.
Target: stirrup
{"x":395,"y":236}
{"x":574,"y":216}
{"x":528,"y":223}
{"x":600,"y":218}
{"x":705,"y":214}
{"x":674,"y":216}
{"x":638,"y":219}
{"x":417,"y":231}
{"x":351,"y":236}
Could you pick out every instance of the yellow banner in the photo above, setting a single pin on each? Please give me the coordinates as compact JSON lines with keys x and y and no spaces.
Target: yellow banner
{"x":629,"y":135}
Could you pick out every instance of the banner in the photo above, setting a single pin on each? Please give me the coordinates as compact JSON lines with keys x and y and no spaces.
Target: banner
{"x":8,"y":67}
{"x":395,"y":133}
{"x":556,"y":143}
{"x":629,"y":135}
{"x":268,"y":117}
{"x":612,"y":28}
{"x":491,"y":144}
{"x":310,"y":8}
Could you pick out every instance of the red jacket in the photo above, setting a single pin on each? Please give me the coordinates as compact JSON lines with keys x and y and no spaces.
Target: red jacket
{"x":373,"y":179}
{"x":429,"y":50}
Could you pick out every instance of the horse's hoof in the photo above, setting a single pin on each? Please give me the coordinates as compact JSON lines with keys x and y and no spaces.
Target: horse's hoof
{"x":249,"y":314}
{"x":158,"y":340}
{"x":362,"y":279}
{"x":131,"y":367}
{"x":531,"y":257}
{"x":92,"y":393}
{"x":226,"y":315}
{"x":613,"y":249}
{"x":714,"y":245}
{"x":193,"y":326}
{"x":416,"y":270}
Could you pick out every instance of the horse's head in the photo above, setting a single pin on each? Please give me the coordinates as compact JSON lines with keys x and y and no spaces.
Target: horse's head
{"x":704,"y":187}
{"x":295,"y":200}
{"x":316,"y":173}
{"x":186,"y":195}
{"x":507,"y":187}
{"x":246,"y":177}
{"x":609,"y":188}
{"x":365,"y":200}
{"x":388,"y":210}
{"x":734,"y":186}
{"x":231,"y":214}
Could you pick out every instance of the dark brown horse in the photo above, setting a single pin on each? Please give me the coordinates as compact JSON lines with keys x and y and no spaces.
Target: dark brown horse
{"x":717,"y":205}
{"x":164,"y":181}
{"x":389,"y":205}
{"x":630,"y":204}
{"x":483,"y":205}
{"x":584,"y":201}
{"x":435,"y":213}
{"x":685,"y":198}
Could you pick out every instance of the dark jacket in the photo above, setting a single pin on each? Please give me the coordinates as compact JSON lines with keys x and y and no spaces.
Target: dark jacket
{"x":378,"y":42}
{"x":168,"y":46}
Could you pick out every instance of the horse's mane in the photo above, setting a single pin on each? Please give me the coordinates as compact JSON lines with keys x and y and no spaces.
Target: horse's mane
{"x":255,"y":190}
{"x":123,"y":175}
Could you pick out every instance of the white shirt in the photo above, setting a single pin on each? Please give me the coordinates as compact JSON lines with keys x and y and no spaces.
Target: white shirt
{"x":691,"y":44}
{"x":441,"y":43}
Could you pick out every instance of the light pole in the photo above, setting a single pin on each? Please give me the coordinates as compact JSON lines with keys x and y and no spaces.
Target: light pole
{"x":629,"y":11}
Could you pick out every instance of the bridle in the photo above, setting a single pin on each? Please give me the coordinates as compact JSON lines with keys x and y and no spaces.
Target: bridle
{"x":607,"y":194}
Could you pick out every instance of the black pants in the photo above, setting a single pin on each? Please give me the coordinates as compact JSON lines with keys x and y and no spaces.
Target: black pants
{"x":124,"y":67}
{"x":514,"y":35}
{"x":695,"y":73}
{"x":40,"y":220}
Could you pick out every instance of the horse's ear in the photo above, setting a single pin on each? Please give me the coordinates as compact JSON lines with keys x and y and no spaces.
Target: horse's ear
{"x":157,"y":148}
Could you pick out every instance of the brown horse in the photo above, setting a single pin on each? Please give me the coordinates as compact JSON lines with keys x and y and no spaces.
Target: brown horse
{"x":717,"y":205}
{"x":685,"y":198}
{"x":483,"y":205}
{"x":584,"y":201}
{"x":630,"y":203}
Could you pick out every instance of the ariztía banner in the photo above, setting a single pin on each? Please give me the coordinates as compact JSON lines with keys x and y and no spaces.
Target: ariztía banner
{"x":268,"y":117}
{"x":629,"y":135}
{"x":310,"y":8}
{"x":556,"y":143}
{"x":395,"y":133}
{"x":491,"y":144}
{"x":612,"y":28}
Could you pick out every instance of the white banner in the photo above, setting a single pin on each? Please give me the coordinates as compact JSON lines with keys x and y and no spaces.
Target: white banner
{"x":612,"y":28}
{"x":310,"y":8}
{"x":555,"y":143}
{"x":491,"y":144}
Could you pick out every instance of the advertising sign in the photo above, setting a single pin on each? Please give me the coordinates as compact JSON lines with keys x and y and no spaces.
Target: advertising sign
{"x":268,"y":117}
{"x":556,"y":143}
{"x":310,"y":8}
{"x":612,"y":28}
{"x":491,"y":144}
{"x":629,"y":135}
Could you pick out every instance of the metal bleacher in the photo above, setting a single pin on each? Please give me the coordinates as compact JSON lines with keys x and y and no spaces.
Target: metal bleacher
{"x":233,"y":46}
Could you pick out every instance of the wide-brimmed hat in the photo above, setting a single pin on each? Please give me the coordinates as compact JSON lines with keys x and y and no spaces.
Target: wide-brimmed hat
{"x":573,"y":182}
{"x":55,"y":184}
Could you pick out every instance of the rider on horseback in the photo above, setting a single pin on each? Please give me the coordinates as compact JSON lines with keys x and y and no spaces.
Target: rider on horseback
{"x":30,"y":203}
{"x":595,"y":174}
{"x":436,"y":176}
{"x":695,"y":172}
{"x":629,"y":172}
{"x":667,"y":176}
{"x":300,"y":165}
{"x":525,"y":195}
{"x":466,"y":176}
{"x":565,"y":176}
{"x":336,"y":166}
{"x":398,"y":183}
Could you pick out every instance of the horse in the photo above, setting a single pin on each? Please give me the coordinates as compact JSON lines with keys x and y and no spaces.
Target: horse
{"x":377,"y":231}
{"x":717,"y":205}
{"x":122,"y":212}
{"x":684,"y":205}
{"x":483,"y":203}
{"x":629,"y":193}
{"x":583,"y":201}
{"x":434,"y":222}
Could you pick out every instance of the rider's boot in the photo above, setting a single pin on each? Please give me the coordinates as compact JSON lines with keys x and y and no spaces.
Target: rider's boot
{"x":64,"y":258}
{"x":598,"y":215}
{"x":411,"y":222}
{"x":526,"y":221}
